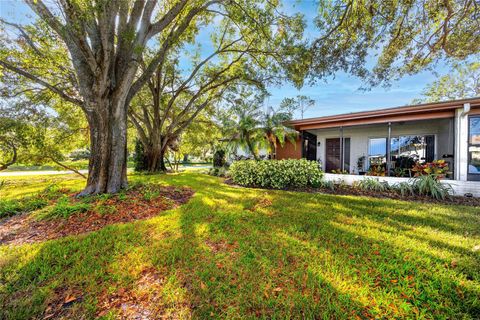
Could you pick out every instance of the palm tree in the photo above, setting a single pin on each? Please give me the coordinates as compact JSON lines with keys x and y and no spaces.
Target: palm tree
{"x":242,"y":128}
{"x":274,"y":129}
{"x":249,"y":127}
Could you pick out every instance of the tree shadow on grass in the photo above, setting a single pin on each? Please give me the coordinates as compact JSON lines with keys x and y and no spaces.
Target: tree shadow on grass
{"x":233,"y":268}
{"x":269,"y":278}
{"x":45,"y":275}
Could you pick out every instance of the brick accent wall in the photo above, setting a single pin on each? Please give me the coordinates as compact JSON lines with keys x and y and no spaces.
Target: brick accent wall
{"x":289,"y":150}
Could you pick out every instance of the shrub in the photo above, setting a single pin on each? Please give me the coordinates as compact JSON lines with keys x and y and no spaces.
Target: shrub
{"x":404,"y":188}
{"x":64,"y":208}
{"x":219,"y":159}
{"x":277,"y":174}
{"x":400,"y":172}
{"x":327,"y":184}
{"x":438,"y":169}
{"x":371,"y":184}
{"x":80,"y":154}
{"x":378,"y":171}
{"x":218,"y":172}
{"x":139,"y":158}
{"x":429,"y":185}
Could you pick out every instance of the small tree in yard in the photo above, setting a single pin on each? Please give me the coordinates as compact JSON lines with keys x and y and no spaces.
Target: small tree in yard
{"x":219,"y":158}
{"x":247,"y":125}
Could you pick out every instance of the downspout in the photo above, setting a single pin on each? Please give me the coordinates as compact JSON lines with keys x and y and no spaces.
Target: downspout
{"x":302,"y":144}
{"x":389,"y":148}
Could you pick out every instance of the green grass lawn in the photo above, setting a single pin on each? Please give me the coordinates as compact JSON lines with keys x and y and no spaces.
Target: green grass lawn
{"x":243,"y":253}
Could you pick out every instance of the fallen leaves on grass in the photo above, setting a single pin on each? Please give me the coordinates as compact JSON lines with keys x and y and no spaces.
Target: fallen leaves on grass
{"x":144,"y":300}
{"x":62,"y":303}
{"x":130,"y":206}
{"x":222,"y":246}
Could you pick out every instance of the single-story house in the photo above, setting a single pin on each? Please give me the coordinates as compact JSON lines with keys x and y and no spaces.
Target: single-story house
{"x":393,"y":138}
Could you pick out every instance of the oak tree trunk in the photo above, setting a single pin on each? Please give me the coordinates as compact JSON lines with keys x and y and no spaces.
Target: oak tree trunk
{"x":108,"y":134}
{"x":155,"y":159}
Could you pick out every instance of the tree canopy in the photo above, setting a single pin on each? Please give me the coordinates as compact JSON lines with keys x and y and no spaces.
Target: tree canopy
{"x":385,"y":40}
{"x":462,"y":83}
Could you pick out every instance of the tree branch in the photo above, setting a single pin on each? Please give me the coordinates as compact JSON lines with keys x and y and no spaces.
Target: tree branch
{"x":32,"y":77}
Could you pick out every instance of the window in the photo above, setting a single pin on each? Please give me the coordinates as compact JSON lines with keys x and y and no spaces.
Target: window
{"x":418,"y":148}
{"x":474,"y":145}
{"x":413,"y":148}
{"x":377,"y":151}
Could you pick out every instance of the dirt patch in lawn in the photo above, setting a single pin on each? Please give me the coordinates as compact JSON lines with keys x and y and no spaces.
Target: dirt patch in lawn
{"x":140,"y":202}
{"x":347,"y":190}
{"x":151,"y":297}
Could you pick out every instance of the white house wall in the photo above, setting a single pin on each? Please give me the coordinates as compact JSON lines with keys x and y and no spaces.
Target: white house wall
{"x":359,"y":136}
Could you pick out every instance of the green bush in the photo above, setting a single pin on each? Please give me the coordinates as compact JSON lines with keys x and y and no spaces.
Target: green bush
{"x":219,"y":159}
{"x":429,"y":185}
{"x":404,"y":188}
{"x":139,"y":158}
{"x":372,"y":184}
{"x":218,"y":172}
{"x":277,"y":174}
{"x":64,"y":208}
{"x":327,"y":184}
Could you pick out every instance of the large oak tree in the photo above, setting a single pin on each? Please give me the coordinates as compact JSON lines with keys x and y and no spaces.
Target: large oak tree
{"x":106,"y":41}
{"x":179,"y":91}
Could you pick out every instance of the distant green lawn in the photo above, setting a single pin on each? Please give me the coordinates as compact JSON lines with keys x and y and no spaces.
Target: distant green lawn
{"x":80,"y":165}
{"x":243,"y":253}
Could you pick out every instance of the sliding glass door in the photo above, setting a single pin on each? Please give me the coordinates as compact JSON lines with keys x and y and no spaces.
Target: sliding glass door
{"x":405,"y":151}
{"x":474,"y":148}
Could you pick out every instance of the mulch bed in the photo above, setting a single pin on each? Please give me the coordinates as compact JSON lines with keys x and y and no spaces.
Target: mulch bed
{"x":133,"y":206}
{"x":347,"y":190}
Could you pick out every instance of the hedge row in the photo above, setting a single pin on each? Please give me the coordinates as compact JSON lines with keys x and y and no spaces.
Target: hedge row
{"x":276,"y":174}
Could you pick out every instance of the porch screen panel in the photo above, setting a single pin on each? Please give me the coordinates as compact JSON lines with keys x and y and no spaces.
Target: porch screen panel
{"x":346,"y":148}
{"x":430,"y":148}
{"x":377,"y":151}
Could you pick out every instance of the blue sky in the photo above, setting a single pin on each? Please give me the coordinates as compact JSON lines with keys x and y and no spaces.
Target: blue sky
{"x":340,"y":94}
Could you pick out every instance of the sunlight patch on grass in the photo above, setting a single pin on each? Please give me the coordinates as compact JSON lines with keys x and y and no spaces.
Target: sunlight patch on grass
{"x":251,"y":253}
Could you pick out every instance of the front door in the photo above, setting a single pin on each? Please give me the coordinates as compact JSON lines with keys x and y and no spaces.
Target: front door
{"x":332,"y":150}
